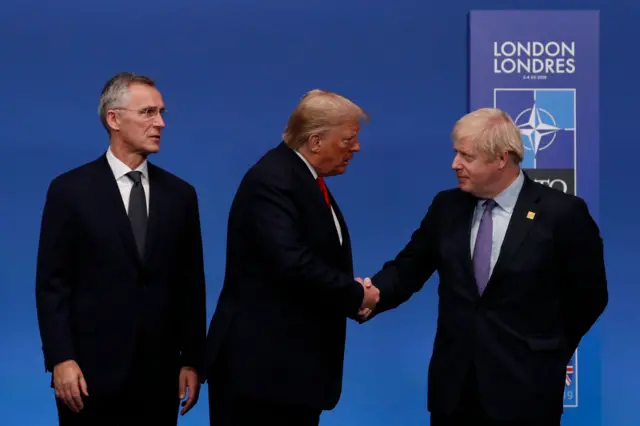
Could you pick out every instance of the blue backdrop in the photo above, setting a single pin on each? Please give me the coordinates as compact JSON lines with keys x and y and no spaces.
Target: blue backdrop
{"x":230,"y":73}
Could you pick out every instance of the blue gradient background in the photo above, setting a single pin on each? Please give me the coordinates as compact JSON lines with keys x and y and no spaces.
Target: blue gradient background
{"x":230,"y":73}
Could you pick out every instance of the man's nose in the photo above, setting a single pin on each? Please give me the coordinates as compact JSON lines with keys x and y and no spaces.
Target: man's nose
{"x":455,"y":164}
{"x":159,"y":121}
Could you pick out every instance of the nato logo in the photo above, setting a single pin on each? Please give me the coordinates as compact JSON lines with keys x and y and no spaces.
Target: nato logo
{"x":571,"y":383}
{"x":547,"y":121}
{"x":560,"y":179}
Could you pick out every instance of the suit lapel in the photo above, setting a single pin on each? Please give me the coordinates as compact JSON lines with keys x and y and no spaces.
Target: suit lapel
{"x":346,"y":239}
{"x":325,"y":212}
{"x":313,"y":192}
{"x":110,"y":200}
{"x":157,"y":210}
{"x":463,"y":238}
{"x":519,"y":226}
{"x":343,"y":227}
{"x":116,"y":211}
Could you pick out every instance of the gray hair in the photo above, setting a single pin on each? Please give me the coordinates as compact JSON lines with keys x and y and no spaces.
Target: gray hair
{"x":116,"y":91}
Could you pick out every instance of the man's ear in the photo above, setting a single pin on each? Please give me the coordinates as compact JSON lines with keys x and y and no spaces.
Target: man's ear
{"x":503,"y":160}
{"x":314,"y":143}
{"x":113,"y":120}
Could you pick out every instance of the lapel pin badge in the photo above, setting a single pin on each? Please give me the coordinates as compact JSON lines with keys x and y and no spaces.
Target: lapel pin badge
{"x":531,"y":215}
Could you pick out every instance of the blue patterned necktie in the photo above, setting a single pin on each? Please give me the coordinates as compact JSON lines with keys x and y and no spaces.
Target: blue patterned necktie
{"x":482,"y":249}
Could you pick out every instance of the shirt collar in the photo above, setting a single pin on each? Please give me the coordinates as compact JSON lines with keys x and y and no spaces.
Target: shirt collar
{"x":311,"y":169}
{"x":507,"y":199}
{"x":120,"y":169}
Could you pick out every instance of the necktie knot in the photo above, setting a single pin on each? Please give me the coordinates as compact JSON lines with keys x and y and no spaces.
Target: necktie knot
{"x":135,"y":176}
{"x":489,"y":205}
{"x":323,"y":188}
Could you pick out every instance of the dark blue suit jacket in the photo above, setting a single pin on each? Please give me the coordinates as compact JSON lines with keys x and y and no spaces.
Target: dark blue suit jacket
{"x":278,"y":332}
{"x":97,"y":300}
{"x":546,"y":291}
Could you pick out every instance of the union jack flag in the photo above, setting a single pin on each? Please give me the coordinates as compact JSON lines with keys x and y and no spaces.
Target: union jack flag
{"x":571,"y":383}
{"x":567,"y":379}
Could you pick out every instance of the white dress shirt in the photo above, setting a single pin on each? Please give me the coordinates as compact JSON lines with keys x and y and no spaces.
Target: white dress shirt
{"x":501,"y":215}
{"x":315,"y":176}
{"x":125,"y":184}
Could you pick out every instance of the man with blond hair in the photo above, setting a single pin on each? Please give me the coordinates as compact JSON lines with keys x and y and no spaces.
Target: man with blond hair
{"x":522,"y":279}
{"x":276,"y":342}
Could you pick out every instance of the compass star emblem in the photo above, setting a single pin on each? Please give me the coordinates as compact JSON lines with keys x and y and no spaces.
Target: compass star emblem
{"x":539,"y":129}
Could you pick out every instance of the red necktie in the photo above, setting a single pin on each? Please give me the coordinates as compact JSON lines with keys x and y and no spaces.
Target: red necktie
{"x":323,"y":188}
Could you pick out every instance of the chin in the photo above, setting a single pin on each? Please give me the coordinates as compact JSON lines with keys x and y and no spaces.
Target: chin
{"x":338,"y":171}
{"x":464,"y":187}
{"x":151,"y":149}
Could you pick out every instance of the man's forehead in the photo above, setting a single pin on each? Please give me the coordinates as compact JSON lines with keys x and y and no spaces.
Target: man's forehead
{"x":465,"y":144}
{"x":144,"y":95}
{"x":351,"y":129}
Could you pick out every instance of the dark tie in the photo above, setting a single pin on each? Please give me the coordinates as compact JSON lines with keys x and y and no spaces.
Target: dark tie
{"x":138,"y":210}
{"x":482,"y":249}
{"x":323,"y":188}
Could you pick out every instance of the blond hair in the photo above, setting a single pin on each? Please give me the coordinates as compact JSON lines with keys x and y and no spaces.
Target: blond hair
{"x":493,"y":132}
{"x":317,"y":112}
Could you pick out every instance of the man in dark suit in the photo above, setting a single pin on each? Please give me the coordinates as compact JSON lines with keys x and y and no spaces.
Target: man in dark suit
{"x":120,"y":288}
{"x":522,"y":279}
{"x":276,"y":341}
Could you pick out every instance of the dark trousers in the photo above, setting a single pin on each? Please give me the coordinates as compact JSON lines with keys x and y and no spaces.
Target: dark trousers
{"x":120,"y":410}
{"x":148,"y":397}
{"x":227,"y":408}
{"x":471,"y":413}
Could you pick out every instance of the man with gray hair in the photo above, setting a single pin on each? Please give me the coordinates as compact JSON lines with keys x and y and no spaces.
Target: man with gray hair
{"x":120,"y":291}
{"x":276,"y":342}
{"x":522,"y":280}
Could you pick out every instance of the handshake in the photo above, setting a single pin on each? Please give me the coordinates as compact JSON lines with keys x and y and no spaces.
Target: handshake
{"x":370,"y":299}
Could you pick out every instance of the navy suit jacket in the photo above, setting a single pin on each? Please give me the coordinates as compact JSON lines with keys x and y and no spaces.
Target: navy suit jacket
{"x":278,"y":332}
{"x":546,"y":291}
{"x":97,"y":300}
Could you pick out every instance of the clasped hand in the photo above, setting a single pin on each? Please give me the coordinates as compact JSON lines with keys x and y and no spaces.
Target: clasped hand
{"x":370,"y":299}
